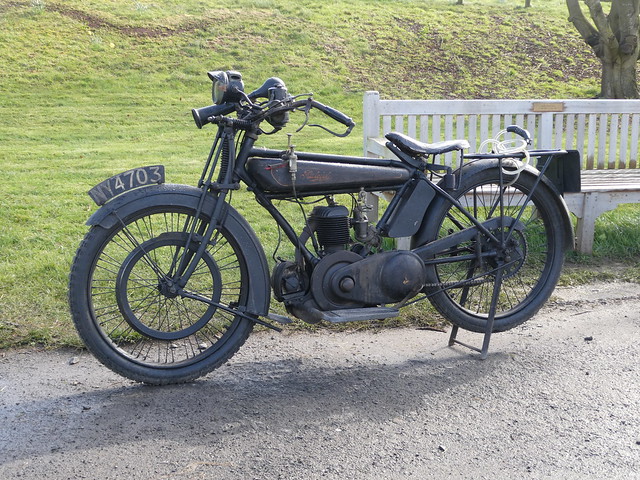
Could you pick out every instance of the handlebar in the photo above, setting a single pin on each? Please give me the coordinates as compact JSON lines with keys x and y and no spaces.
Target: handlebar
{"x":202,"y":115}
{"x":336,"y":115}
{"x":205,"y":115}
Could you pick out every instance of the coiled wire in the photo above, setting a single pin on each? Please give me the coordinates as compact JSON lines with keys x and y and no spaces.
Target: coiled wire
{"x":500,"y":146}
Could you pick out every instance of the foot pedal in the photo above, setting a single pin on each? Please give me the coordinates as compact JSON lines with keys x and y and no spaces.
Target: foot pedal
{"x":274,"y":317}
{"x":359,"y":314}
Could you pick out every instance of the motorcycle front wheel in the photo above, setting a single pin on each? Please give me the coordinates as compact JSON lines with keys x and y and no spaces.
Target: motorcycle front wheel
{"x":461,"y":282}
{"x":128,"y":311}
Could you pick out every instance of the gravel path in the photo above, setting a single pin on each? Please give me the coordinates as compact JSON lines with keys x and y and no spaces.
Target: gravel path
{"x":558,"y":397}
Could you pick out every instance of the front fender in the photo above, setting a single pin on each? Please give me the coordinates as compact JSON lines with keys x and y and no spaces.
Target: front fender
{"x":186,"y":196}
{"x":133,"y":200}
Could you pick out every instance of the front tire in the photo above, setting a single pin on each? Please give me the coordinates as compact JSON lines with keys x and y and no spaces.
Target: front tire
{"x":531,"y":260}
{"x":125,"y":307}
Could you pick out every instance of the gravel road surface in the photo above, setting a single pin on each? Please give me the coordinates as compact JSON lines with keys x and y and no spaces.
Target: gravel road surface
{"x":558,"y":398}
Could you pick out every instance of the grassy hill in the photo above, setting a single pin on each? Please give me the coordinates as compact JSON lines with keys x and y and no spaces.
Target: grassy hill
{"x":89,"y":88}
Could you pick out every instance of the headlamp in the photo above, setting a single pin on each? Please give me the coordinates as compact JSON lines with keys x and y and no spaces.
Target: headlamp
{"x":227,"y":86}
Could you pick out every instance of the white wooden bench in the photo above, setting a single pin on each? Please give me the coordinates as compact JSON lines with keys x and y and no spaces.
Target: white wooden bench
{"x":605,"y":132}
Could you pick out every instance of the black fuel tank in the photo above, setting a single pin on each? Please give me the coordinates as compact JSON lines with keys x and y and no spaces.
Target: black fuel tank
{"x":273,"y":175}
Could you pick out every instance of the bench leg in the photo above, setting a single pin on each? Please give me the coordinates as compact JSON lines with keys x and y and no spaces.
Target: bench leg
{"x":594,"y":205}
{"x":587,"y":223}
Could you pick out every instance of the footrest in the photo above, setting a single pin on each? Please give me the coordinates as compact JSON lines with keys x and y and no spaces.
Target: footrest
{"x":359,"y":314}
{"x":279,"y":318}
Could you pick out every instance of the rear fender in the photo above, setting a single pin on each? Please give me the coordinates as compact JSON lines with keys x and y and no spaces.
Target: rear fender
{"x":475,"y":166}
{"x":186,"y":196}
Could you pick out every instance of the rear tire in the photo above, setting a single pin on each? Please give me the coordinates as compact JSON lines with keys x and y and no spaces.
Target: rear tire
{"x":531,"y":262}
{"x":126,"y":312}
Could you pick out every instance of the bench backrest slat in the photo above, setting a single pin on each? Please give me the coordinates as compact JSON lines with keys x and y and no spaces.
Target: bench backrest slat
{"x":606,"y":132}
{"x":635,"y":133}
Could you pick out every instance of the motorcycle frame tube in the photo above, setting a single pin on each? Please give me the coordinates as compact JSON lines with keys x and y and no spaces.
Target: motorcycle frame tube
{"x":329,"y":158}
{"x":319,"y":157}
{"x":237,"y":170}
{"x":264,"y":198}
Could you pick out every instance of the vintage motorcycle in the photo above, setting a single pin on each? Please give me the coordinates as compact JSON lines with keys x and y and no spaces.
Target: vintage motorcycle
{"x":170,"y":279}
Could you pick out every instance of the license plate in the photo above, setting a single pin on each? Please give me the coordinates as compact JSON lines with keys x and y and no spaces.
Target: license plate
{"x":125,"y":181}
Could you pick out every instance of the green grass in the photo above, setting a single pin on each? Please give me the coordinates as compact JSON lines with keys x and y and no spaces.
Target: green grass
{"x":90,"y":88}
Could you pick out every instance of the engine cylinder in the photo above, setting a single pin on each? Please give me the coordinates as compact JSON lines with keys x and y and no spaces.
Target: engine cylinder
{"x":331,"y":226}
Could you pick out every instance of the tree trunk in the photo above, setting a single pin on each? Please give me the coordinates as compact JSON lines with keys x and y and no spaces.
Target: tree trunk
{"x":608,"y":79}
{"x":624,"y":19}
{"x":614,"y":40}
{"x":629,"y":79}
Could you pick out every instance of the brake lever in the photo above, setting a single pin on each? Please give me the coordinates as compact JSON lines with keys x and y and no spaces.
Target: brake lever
{"x":306,"y":111}
{"x":346,"y":133}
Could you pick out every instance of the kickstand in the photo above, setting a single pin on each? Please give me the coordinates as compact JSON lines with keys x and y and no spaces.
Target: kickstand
{"x":488,"y":328}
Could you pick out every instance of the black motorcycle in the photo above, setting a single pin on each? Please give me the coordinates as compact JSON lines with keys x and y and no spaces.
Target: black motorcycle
{"x":171,"y":279}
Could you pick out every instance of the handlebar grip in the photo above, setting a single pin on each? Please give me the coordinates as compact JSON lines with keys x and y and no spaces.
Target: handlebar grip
{"x":202,"y":115}
{"x":337,"y":115}
{"x":520,"y":131}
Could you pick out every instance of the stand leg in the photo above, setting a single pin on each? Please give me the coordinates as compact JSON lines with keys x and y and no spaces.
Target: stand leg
{"x":492,"y":315}
{"x":452,"y":337}
{"x":490,"y":321}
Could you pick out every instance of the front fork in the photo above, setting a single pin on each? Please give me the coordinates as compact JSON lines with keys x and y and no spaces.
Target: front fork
{"x":223,"y":153}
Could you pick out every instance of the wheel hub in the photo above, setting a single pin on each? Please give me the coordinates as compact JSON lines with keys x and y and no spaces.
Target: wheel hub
{"x":140,"y":310}
{"x":511,"y":257}
{"x":168,"y":288}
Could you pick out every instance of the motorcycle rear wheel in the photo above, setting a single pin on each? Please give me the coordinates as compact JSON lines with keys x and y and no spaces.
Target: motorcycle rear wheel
{"x":127,"y":311}
{"x":531,"y":262}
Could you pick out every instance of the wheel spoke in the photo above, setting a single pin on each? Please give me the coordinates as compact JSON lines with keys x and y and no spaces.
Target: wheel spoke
{"x":528,"y":252}
{"x":131,"y":300}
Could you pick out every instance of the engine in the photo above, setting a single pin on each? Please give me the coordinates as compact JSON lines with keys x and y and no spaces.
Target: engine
{"x":352,"y":272}
{"x":331,"y":226}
